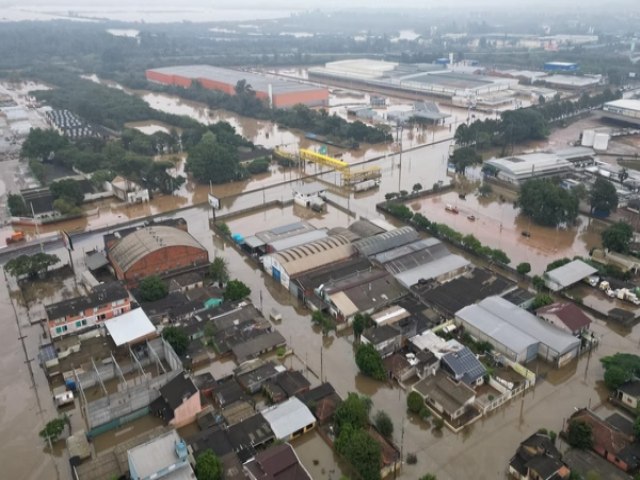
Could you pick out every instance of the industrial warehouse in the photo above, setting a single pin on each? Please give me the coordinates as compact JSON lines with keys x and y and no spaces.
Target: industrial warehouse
{"x":279,"y":93}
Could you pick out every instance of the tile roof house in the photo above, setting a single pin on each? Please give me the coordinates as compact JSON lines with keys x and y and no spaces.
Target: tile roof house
{"x":322,"y":401}
{"x":609,"y":442}
{"x":386,"y":339}
{"x":279,"y":462}
{"x":566,"y":316}
{"x":179,"y":401}
{"x":538,"y":458}
{"x":250,"y":434}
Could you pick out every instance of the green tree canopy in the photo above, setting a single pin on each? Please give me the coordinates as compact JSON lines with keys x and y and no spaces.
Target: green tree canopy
{"x":40,"y":144}
{"x":523,"y":268}
{"x":16,"y":205}
{"x":69,"y":190}
{"x":177,"y":338}
{"x":30,"y":265}
{"x":617,"y":237}
{"x":361,"y":451}
{"x":620,"y":368}
{"x":383,"y":423}
{"x":547,"y":203}
{"x":209,"y":466}
{"x":580,"y":435}
{"x":541,"y":300}
{"x":415,"y":403}
{"x":212,"y":161}
{"x":465,"y":157}
{"x":370,"y":363}
{"x":603,"y":196}
{"x":429,"y":476}
{"x":324,"y":321}
{"x":360,"y":323}
{"x":152,"y":288}
{"x":219,"y":270}
{"x":53,"y":429}
{"x":236,"y":290}
{"x":354,"y":411}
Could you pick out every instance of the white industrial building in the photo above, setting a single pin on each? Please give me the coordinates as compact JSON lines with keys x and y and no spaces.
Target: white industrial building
{"x":520,"y":168}
{"x":626,"y":110}
{"x":516,"y":333}
{"x":567,"y":275}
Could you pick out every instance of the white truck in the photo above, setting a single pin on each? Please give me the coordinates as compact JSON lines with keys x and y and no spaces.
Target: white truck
{"x":364,"y":186}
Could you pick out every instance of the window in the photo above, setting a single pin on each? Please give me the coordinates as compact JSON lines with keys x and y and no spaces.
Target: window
{"x":102,"y":317}
{"x":78,"y":324}
{"x":84,"y":322}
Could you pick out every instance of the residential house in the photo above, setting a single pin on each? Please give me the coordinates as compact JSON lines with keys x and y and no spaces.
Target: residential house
{"x":217,"y":440}
{"x":448,"y":398}
{"x":464,"y":367}
{"x":289,"y":419}
{"x":162,"y":456}
{"x":427,"y":363}
{"x":248,"y":435}
{"x":629,"y":395}
{"x":537,"y":458}
{"x":322,"y":401}
{"x":566,"y":316}
{"x":278,"y":462}
{"x":179,"y":401}
{"x":258,"y":345}
{"x":287,"y":384}
{"x":105,"y":301}
{"x":254,"y":375}
{"x":612,"y":444}
{"x":385,"y":339}
{"x":399,"y":367}
{"x":226,"y":393}
{"x":185,"y":282}
{"x":390,"y":458}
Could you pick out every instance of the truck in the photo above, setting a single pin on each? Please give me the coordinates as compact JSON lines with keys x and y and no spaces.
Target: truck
{"x":366,"y":185}
{"x":16,"y":237}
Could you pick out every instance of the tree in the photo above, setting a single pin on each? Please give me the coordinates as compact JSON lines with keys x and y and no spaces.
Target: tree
{"x":177,"y":338}
{"x":209,"y":466}
{"x":361,"y":451}
{"x":580,"y":435}
{"x":69,"y":190}
{"x":53,"y":429}
{"x":218,"y":270}
{"x":617,"y":237}
{"x":360,"y":323}
{"x":65,"y":207}
{"x":438,"y":423}
{"x":603,"y":197}
{"x":16,"y":205}
{"x":354,"y":411}
{"x":211,"y":161}
{"x":152,"y":288}
{"x":541,"y":300}
{"x":547,"y":203}
{"x":485,"y":190}
{"x":414,"y":402}
{"x":236,"y":290}
{"x":523,"y":268}
{"x":557,"y":263}
{"x":620,"y":368}
{"x":416,"y":187}
{"x":499,"y":256}
{"x":258,"y":165}
{"x":429,"y":476}
{"x":40,"y":144}
{"x":464,"y":157}
{"x":370,"y":363}
{"x":30,"y":265}
{"x":383,"y":423}
{"x":538,"y":282}
{"x":324,"y":321}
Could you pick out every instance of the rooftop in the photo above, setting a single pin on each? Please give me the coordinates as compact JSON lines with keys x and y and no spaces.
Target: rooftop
{"x":309,"y":188}
{"x":441,"y":388}
{"x":299,"y":239}
{"x":377,"y":335}
{"x":386,"y":241}
{"x":568,"y":313}
{"x":288,"y":417}
{"x":497,"y":312}
{"x":256,"y":345}
{"x":159,"y":454}
{"x":258,"y":81}
{"x":144,"y":241}
{"x":129,"y":327}
{"x":569,"y":274}
{"x":631,"y":388}
{"x":178,"y":389}
{"x":530,"y":164}
{"x":102,"y":294}
{"x":625,"y":104}
{"x":284,"y":231}
{"x":312,"y":255}
{"x":464,"y":365}
{"x":278,"y":462}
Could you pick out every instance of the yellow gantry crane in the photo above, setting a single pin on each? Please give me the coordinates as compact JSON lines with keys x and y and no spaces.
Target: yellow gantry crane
{"x":350,"y":175}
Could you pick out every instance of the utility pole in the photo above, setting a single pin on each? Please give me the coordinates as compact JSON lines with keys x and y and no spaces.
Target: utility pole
{"x":35,"y":222}
{"x":321,"y":366}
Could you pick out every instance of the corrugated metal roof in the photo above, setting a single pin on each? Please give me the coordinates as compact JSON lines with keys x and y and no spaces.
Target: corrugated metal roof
{"x":284,"y":231}
{"x":129,"y":327}
{"x":344,"y":304}
{"x":144,"y":241}
{"x":259,"y":82}
{"x":288,"y":417}
{"x":499,"y":311}
{"x":386,"y":241}
{"x":433,"y":269}
{"x":294,"y":241}
{"x":570,"y":273}
{"x":316,"y":254}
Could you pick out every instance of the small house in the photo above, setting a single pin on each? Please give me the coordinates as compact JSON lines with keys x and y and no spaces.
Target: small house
{"x":179,"y":401}
{"x":385,"y":339}
{"x":566,"y":316}
{"x":289,"y":419}
{"x":538,"y":458}
{"x":629,"y":395}
{"x":448,"y":398}
{"x":464,"y":367}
